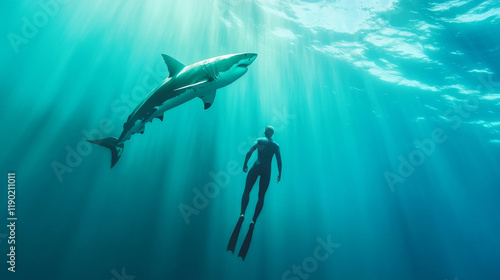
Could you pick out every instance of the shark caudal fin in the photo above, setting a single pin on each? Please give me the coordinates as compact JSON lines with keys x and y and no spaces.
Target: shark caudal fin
{"x":112,"y":144}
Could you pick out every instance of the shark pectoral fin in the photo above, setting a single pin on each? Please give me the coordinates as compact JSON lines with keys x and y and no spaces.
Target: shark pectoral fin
{"x":208,"y":99}
{"x":174,"y":66}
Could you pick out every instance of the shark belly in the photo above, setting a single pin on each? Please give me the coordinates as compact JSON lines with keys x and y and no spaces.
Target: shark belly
{"x":174,"y":102}
{"x":157,"y":111}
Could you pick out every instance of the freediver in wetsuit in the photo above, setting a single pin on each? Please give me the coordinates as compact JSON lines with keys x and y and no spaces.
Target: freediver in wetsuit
{"x":266,"y":148}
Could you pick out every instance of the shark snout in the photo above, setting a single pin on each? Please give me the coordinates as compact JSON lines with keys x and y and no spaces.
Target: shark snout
{"x":252,"y":56}
{"x":247,"y":59}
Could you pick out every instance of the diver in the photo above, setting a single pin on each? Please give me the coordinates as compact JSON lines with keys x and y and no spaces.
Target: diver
{"x":267,"y":148}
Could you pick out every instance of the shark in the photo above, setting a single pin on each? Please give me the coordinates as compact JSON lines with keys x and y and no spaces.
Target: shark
{"x":184,"y":83}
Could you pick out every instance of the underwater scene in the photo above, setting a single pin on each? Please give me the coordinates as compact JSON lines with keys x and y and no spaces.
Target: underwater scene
{"x":250,"y":139}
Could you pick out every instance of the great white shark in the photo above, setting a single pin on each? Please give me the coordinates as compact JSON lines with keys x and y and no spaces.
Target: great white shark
{"x":183,"y":83}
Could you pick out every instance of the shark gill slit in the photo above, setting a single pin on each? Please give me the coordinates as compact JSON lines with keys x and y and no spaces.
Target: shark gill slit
{"x":216,"y":70}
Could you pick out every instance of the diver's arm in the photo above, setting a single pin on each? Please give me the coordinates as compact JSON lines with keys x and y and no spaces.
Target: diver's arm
{"x":278,"y":160}
{"x":247,"y":158}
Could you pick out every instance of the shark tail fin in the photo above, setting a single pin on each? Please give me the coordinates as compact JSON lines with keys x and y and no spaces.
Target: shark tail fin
{"x":112,"y":144}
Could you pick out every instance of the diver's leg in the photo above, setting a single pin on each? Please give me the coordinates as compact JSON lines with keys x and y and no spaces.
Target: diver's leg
{"x":251,"y":178}
{"x":263,"y":185}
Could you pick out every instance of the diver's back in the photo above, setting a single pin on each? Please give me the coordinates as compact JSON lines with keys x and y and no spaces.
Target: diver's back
{"x":266,"y":149}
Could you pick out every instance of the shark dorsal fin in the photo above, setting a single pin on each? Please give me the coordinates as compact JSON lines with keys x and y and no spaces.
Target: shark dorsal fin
{"x":174,"y":66}
{"x":208,"y":99}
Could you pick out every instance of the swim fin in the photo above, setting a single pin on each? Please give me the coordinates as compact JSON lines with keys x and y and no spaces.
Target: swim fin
{"x":246,"y":243}
{"x":234,"y":236}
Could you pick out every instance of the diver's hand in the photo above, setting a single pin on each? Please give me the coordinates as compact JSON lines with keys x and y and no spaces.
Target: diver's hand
{"x":279,"y":178}
{"x":245,"y":169}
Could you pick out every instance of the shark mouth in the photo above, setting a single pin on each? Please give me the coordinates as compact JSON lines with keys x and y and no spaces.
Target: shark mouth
{"x":243,"y":65}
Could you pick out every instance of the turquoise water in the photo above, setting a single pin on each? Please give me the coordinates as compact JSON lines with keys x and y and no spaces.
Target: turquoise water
{"x":387,"y":114}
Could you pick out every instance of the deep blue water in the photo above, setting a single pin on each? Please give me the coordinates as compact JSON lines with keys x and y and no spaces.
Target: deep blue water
{"x":387,"y":114}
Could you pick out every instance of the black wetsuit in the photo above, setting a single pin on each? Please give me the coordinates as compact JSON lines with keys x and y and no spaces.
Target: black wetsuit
{"x":262,"y":167}
{"x":267,"y":148}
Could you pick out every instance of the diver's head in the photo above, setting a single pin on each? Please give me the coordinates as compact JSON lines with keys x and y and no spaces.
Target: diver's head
{"x":269,"y":131}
